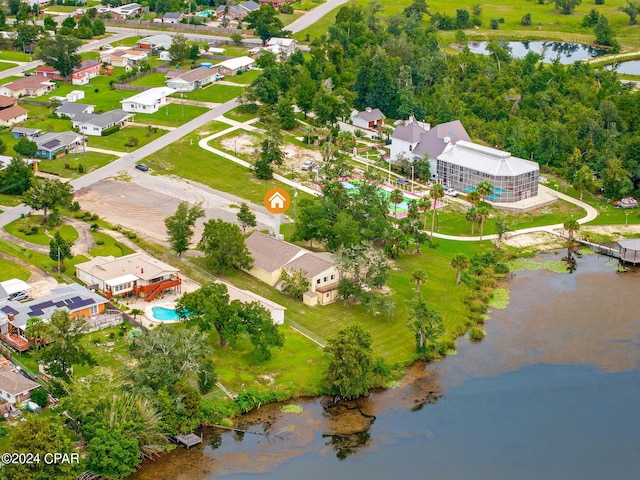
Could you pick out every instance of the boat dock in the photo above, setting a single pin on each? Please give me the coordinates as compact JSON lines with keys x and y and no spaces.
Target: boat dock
{"x":628,"y":251}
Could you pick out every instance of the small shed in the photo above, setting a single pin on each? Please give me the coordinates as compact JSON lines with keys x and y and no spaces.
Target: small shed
{"x":630,"y":250}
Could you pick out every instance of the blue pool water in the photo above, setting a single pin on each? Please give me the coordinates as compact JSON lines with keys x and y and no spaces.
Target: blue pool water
{"x":165,"y":314}
{"x":494,"y":196}
{"x":204,"y":13}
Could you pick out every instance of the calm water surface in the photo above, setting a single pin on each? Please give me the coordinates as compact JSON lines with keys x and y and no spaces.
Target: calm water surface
{"x":551,"y":393}
{"x":565,"y":52}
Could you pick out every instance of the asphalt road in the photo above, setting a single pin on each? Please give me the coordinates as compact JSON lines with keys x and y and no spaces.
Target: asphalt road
{"x":314,"y":15}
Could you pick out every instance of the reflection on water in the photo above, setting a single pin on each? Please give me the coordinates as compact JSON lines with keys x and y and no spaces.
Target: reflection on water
{"x":631,"y":67}
{"x":565,"y":52}
{"x":550,"y":393}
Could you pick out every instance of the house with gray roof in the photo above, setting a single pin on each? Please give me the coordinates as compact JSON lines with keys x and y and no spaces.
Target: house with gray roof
{"x":95,"y":124}
{"x":79,"y":301}
{"x":71,"y":109}
{"x":172,"y":17}
{"x":405,"y":137}
{"x":369,"y":118}
{"x":53,"y":144}
{"x":15,"y":387}
{"x":30,"y":133}
{"x":272,"y":256}
{"x":463,"y":165}
{"x":433,"y":143}
{"x":187,"y":81}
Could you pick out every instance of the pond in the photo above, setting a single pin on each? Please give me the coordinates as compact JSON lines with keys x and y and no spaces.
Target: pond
{"x":552,"y":392}
{"x":566,"y":52}
{"x":632,"y":67}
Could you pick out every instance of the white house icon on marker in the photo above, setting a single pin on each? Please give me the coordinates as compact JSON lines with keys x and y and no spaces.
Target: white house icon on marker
{"x":277,"y":201}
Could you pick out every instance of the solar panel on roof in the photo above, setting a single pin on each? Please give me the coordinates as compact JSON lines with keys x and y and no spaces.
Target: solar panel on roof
{"x":10,"y":310}
{"x":51,"y":144}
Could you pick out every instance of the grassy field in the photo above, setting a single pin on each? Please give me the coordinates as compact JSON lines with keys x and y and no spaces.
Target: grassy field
{"x":171,"y":115}
{"x":92,"y":160}
{"x":155,"y":79}
{"x":213,"y":93}
{"x":118,"y":140}
{"x":240,"y":117}
{"x":44,"y":233}
{"x":185,"y":159}
{"x":9,"y":200}
{"x":6,"y":66}
{"x":9,"y":270}
{"x":14,"y":56}
{"x":547,"y":23}
{"x":244,"y":78}
{"x":107,"y":245}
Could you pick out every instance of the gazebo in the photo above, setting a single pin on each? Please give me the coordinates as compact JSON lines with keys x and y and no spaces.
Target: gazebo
{"x":630,"y":250}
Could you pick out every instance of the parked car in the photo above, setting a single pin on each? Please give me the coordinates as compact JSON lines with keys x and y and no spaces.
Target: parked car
{"x":316,"y":169}
{"x":19,"y":296}
{"x":402,"y":181}
{"x":450,"y":191}
{"x":142,"y":167}
{"x":308,"y":165}
{"x":107,"y":46}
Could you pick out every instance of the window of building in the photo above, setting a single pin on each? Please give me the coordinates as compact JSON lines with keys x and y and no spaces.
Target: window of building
{"x":325,"y":279}
{"x":318,"y":282}
{"x":93,"y":310}
{"x":333,"y":276}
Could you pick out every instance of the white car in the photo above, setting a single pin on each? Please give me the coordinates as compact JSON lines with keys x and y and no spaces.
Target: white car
{"x":308,"y":165}
{"x":450,"y":191}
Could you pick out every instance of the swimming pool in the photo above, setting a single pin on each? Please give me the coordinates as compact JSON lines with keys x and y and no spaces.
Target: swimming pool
{"x":204,"y":13}
{"x":165,"y":314}
{"x":494,"y":196}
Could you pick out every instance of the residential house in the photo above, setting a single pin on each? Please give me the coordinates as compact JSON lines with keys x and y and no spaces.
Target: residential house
{"x":29,"y":133}
{"x":405,"y":137}
{"x":70,"y":110}
{"x":55,"y":144}
{"x":49,"y":72}
{"x":123,"y":12}
{"x":275,"y":3}
{"x":433,"y":143}
{"x":14,"y":289}
{"x":33,"y":86}
{"x":463,"y":165}
{"x":272,"y":256}
{"x":85,"y":72}
{"x":77,"y":300}
{"x":95,"y":124}
{"x":125,"y":58}
{"x":282,"y":48}
{"x":187,"y":81}
{"x":156,"y":42}
{"x":370,"y":118}
{"x":237,"y":12}
{"x":135,"y":274}
{"x":10,"y":112}
{"x":15,"y":387}
{"x":149,"y":101}
{"x":233,"y":66}
{"x":171,"y":17}
{"x":40,"y":3}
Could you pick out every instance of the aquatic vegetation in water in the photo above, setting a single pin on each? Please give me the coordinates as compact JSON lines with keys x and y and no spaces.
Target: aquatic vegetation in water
{"x":585,"y":251}
{"x":291,"y":409}
{"x":477,"y":333}
{"x":521,"y":264}
{"x":393,"y":384}
{"x":557,"y":266}
{"x":500,"y":298}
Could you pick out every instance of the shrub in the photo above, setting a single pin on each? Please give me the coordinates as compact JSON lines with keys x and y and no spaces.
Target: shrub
{"x":99,"y":242}
{"x":599,"y":2}
{"x":75,"y":206}
{"x":39,"y":396}
{"x":494,"y":23}
{"x":110,"y":130}
{"x":132,"y":235}
{"x":526,"y":20}
{"x":477,"y":333}
{"x":4,"y":431}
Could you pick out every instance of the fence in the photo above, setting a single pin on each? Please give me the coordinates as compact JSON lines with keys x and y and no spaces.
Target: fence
{"x":37,"y":103}
{"x":122,"y":84}
{"x":173,"y":27}
{"x":307,"y":333}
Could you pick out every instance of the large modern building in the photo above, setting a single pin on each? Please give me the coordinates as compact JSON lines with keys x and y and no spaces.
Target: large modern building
{"x":463,"y":165}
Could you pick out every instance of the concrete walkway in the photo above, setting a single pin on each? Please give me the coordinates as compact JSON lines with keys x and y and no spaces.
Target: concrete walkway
{"x":108,"y":152}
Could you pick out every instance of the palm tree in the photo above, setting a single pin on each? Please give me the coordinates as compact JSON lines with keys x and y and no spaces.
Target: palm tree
{"x":472,"y":217}
{"x":424,"y":203}
{"x":502,"y":227}
{"x":396,"y":197}
{"x":36,"y":329}
{"x":412,"y":210}
{"x":308,"y":132}
{"x":485,"y":188}
{"x":135,"y":312}
{"x":459,"y":262}
{"x":473,"y":197}
{"x":571,"y":226}
{"x":483,"y":213}
{"x":419,"y":276}
{"x":435,"y":193}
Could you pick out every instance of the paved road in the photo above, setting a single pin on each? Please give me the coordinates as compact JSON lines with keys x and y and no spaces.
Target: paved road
{"x":314,"y":15}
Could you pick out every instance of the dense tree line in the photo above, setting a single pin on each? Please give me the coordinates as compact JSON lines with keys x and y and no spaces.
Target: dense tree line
{"x":546,"y":112}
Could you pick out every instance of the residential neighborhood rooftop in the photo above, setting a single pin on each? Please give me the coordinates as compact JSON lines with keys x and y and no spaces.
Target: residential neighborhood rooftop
{"x":269,"y":253}
{"x":486,"y":159}
{"x":139,"y":264}
{"x":151,"y":96}
{"x":14,"y":383}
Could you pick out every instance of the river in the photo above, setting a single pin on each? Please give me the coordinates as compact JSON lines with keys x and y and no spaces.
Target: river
{"x":552,"y":392}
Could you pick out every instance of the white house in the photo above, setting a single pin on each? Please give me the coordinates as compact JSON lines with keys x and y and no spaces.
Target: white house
{"x":171,"y":17}
{"x":187,"y":81}
{"x":95,"y":124}
{"x":10,"y":112}
{"x":156,"y":42}
{"x":149,"y":101}
{"x":405,"y":138}
{"x":281,"y":47}
{"x":70,"y":110}
{"x":234,"y":65}
{"x":14,"y":387}
{"x":370,"y":118}
{"x":125,"y":58}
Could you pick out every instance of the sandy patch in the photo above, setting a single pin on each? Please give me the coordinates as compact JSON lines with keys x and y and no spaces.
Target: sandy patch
{"x":540,"y":240}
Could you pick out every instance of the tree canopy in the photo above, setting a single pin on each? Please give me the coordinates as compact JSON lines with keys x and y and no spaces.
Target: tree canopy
{"x":223,"y":245}
{"x":180,"y":226}
{"x":59,"y":52}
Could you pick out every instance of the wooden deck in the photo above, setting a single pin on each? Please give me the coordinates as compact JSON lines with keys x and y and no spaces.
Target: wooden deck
{"x":188,"y":440}
{"x":625,"y":255}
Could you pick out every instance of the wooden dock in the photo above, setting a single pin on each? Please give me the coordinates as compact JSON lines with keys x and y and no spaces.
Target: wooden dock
{"x":188,"y":440}
{"x":627,"y":252}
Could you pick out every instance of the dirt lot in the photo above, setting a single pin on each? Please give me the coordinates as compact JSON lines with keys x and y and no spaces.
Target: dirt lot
{"x":143,"y":203}
{"x":294,"y":156}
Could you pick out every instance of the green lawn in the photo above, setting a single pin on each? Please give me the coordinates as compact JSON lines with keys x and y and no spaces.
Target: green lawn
{"x":107,"y":348}
{"x":92,"y":161}
{"x":6,"y":66}
{"x":9,"y":200}
{"x":212,"y":93}
{"x":9,"y":270}
{"x":547,"y":23}
{"x":234,"y":50}
{"x":14,"y":56}
{"x":155,"y":79}
{"x":117,"y":141}
{"x":43,"y":235}
{"x":107,"y":245}
{"x":287,"y":18}
{"x":245,"y":77}
{"x":240,"y":117}
{"x":171,"y":115}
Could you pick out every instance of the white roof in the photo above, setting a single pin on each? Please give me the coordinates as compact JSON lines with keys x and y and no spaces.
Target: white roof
{"x":129,"y":277}
{"x":113,"y":269}
{"x":284,"y":42}
{"x":236,"y":63}
{"x":150,"y":97}
{"x":14,"y":286}
{"x":486,"y":159}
